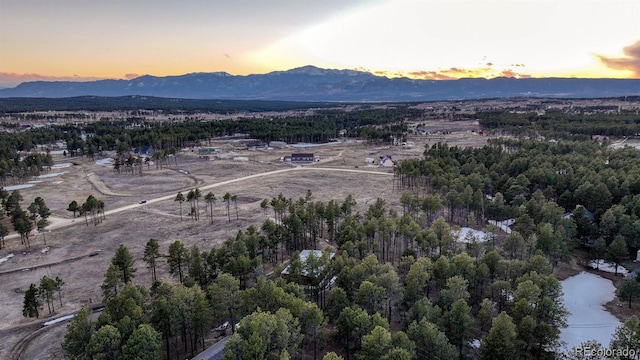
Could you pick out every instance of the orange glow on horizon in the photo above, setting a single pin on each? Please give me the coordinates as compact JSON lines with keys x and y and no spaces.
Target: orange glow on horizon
{"x":485,"y":72}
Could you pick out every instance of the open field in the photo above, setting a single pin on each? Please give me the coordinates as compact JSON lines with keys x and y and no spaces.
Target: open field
{"x":79,"y":253}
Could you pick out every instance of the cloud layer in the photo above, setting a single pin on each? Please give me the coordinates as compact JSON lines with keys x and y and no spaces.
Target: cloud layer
{"x":630,"y":62}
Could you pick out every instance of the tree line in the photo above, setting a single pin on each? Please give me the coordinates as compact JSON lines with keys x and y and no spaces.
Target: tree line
{"x":533,"y":182}
{"x":563,"y":124}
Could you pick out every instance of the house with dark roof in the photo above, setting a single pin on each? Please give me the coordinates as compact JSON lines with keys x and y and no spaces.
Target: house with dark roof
{"x":588,"y":214}
{"x":300,"y":158}
{"x":143,"y":150}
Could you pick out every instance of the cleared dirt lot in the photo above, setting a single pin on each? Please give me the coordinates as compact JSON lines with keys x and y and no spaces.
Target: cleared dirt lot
{"x":79,"y":254}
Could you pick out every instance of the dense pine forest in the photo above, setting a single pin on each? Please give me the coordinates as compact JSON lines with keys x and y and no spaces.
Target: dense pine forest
{"x":393,"y":283}
{"x":134,"y":103}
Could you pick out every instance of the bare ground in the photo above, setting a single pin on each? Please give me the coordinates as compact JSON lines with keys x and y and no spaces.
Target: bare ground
{"x":79,"y":253}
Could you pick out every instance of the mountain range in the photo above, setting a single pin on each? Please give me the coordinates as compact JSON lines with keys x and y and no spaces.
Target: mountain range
{"x":310,"y":83}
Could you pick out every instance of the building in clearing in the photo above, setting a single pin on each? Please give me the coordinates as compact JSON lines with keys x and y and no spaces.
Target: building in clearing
{"x":302,"y":157}
{"x":299,"y":158}
{"x":256,"y":145}
{"x":143,"y":150}
{"x":278,"y":144}
{"x":206,"y":150}
{"x":304,"y":256}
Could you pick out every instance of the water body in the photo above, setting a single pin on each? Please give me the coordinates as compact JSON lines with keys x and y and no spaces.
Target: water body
{"x":584,"y":297}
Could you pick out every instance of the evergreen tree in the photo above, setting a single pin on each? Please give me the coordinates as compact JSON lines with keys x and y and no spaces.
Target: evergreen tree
{"x":457,"y":324}
{"x":180,"y":199}
{"x":151,"y":253}
{"x":143,"y":344}
{"x":105,"y":343}
{"x":375,"y":344}
{"x":267,"y":336}
{"x":617,"y":252}
{"x":78,"y":335}
{"x":124,"y":261}
{"x":431,"y":343}
{"x":177,"y":259}
{"x":46,"y":289}
{"x":112,"y":282}
{"x":627,"y":335}
{"x":31,"y":302}
{"x":500,"y":343}
{"x":628,"y":290}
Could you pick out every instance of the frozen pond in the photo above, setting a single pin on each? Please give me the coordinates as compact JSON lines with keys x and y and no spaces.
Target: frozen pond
{"x":584,"y":297}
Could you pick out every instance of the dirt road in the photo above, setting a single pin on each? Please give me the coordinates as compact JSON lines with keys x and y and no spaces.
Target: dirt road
{"x":58,"y":223}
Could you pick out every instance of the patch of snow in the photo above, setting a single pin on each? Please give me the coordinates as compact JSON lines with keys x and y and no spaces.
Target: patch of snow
{"x":467,"y":235}
{"x":45,"y":176}
{"x":35,"y":181}
{"x":45,"y":250}
{"x":475,"y":343}
{"x":588,"y":319}
{"x":504,"y":225}
{"x":6,"y":258}
{"x":105,"y":161}
{"x":61,"y":166}
{"x":57,"y":152}
{"x":19,"y":187}
{"x":60,"y":319}
{"x":307,"y":145}
{"x":607,"y":267}
{"x":58,"y":182}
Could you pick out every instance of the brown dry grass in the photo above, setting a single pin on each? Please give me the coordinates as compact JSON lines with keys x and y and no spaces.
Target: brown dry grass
{"x":70,"y":246}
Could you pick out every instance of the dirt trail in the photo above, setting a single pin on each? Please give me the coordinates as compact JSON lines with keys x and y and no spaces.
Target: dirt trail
{"x":95,"y":181}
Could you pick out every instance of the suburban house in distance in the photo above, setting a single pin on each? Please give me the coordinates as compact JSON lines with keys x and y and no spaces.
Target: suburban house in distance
{"x":300,"y":158}
{"x":143,"y":150}
{"x":278,"y":144}
{"x":256,"y":145}
{"x":206,"y":150}
{"x":304,"y":256}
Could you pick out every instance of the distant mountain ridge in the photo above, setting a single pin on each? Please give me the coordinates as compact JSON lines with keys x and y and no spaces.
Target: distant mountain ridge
{"x":310,"y":83}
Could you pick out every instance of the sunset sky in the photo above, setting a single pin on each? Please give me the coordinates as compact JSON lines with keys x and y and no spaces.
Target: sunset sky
{"x":432,"y":39}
